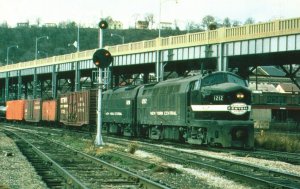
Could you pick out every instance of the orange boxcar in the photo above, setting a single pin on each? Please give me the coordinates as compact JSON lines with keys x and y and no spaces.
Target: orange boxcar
{"x":15,"y":110}
{"x":49,"y":110}
{"x":32,"y":110}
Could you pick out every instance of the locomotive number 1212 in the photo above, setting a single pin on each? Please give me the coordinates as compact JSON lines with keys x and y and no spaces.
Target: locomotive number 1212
{"x":218,"y":97}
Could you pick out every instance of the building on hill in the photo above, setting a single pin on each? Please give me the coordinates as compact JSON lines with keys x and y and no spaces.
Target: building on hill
{"x":166,"y":25}
{"x":116,"y":25}
{"x":50,"y":25}
{"x":23,"y":24}
{"x":142,"y":24}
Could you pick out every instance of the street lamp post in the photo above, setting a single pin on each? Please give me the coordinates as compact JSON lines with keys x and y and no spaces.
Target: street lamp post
{"x":78,"y":37}
{"x":159,"y":66}
{"x":122,"y":37}
{"x":159,"y":16}
{"x":43,"y":52}
{"x":36,"y":45}
{"x":7,"y":52}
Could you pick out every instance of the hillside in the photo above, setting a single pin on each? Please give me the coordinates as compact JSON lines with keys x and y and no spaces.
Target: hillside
{"x":61,"y":39}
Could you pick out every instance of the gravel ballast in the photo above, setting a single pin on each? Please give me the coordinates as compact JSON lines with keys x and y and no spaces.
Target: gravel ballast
{"x":15,"y":171}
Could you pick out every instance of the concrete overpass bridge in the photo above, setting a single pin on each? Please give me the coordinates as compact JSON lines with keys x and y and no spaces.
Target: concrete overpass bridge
{"x":239,"y":48}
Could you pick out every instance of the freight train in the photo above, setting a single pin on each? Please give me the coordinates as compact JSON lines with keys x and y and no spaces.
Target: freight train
{"x":212,"y":108}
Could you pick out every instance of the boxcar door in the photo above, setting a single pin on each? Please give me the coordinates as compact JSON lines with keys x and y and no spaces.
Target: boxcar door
{"x":64,"y":109}
{"x":71,"y":104}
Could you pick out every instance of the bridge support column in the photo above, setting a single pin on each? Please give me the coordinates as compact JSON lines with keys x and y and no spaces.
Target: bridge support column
{"x":19,"y":85}
{"x":26,"y":89}
{"x":146,"y":78}
{"x":35,"y":84}
{"x":54,"y":82}
{"x":77,"y":76}
{"x":222,"y":58}
{"x":116,"y":80}
{"x":2,"y":92}
{"x":6,"y":87}
{"x":158,"y":67}
{"x":111,"y":76}
{"x":42,"y":88}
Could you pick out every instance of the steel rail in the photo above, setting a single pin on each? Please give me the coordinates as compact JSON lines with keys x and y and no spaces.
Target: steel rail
{"x":144,"y":182}
{"x":225,"y":170}
{"x":63,"y":172}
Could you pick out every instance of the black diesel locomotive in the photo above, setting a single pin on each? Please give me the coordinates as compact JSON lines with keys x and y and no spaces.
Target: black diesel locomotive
{"x":209,"y":109}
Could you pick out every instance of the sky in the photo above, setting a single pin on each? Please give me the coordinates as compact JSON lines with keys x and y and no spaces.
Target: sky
{"x":89,"y":12}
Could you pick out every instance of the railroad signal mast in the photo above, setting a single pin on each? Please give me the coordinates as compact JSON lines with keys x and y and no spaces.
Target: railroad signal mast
{"x":102,"y":59}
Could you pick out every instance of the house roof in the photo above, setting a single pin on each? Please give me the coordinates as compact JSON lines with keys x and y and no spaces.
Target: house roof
{"x":264,"y":87}
{"x":271,"y":71}
{"x":289,"y":87}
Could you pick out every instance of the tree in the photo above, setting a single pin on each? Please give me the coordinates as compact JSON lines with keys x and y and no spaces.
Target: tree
{"x":249,"y":21}
{"x":207,"y":20}
{"x":236,"y":23}
{"x":60,"y":37}
{"x":226,"y":22}
{"x":192,"y":26}
{"x":149,"y":17}
{"x":38,"y":21}
{"x":135,"y":17}
{"x":109,"y":20}
{"x":4,"y":25}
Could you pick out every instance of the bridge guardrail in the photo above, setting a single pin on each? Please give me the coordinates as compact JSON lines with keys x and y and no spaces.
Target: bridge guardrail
{"x":221,"y":35}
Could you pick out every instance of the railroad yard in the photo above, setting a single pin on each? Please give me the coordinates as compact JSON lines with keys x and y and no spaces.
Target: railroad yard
{"x":142,"y":97}
{"x":45,"y":157}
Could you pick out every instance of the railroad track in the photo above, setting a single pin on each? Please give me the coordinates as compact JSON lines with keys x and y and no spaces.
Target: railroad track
{"x":121,"y":157}
{"x":292,"y":158}
{"x":63,"y":167}
{"x":233,"y":169}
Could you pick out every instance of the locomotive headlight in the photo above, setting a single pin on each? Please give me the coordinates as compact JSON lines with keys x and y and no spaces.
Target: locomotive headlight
{"x":240,"y":96}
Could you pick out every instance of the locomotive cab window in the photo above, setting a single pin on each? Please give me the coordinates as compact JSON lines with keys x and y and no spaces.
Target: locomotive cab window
{"x":196,"y":85}
{"x":234,"y":79}
{"x":213,"y":79}
{"x":219,"y":78}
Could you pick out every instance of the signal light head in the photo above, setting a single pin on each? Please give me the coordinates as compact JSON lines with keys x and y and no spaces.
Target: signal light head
{"x":103,"y":24}
{"x":102,"y":58}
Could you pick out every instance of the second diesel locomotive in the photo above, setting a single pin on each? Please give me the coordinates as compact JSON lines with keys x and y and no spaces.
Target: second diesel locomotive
{"x":209,"y":109}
